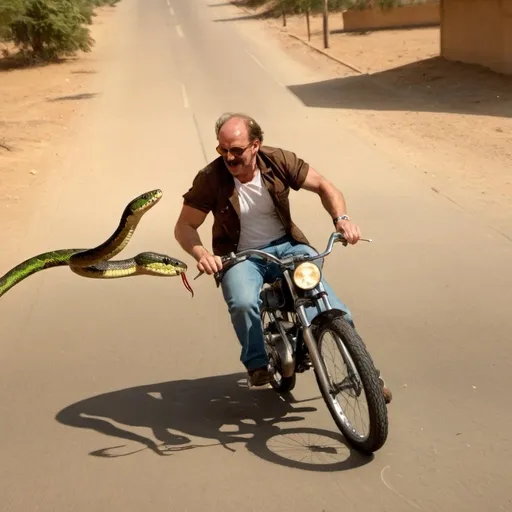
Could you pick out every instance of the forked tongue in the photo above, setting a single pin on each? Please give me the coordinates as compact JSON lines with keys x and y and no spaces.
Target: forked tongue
{"x":186,"y":283}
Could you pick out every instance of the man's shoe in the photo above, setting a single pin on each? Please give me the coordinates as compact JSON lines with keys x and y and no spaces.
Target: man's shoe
{"x":258,"y":377}
{"x":388,"y":396}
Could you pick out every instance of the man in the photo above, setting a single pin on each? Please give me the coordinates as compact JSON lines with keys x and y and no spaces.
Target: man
{"x":246,"y":189}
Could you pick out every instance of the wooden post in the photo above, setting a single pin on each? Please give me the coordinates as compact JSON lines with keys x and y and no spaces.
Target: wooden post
{"x":307,"y":23}
{"x":326,"y":23}
{"x":443,"y":29}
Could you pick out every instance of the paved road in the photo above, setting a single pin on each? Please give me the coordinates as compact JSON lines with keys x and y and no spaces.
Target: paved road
{"x":96,"y":377}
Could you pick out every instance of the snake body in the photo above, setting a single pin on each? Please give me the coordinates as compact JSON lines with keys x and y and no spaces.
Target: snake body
{"x":93,"y":262}
{"x":130,"y":218}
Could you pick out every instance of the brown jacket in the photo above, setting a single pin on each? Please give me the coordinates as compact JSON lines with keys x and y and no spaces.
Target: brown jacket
{"x":213,"y":190}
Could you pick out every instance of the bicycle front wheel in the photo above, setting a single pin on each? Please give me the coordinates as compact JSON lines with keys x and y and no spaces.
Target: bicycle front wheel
{"x":335,"y":337}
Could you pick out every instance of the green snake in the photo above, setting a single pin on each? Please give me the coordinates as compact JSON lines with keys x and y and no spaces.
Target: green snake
{"x":93,"y":263}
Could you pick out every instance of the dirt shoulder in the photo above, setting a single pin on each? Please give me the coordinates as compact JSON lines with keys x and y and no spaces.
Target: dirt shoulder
{"x":38,"y":106}
{"x":451,"y":122}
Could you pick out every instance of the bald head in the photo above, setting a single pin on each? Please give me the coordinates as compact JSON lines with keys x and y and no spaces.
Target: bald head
{"x":241,"y":123}
{"x":235,"y":129}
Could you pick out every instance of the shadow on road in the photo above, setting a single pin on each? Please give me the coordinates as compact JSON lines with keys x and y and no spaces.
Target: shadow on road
{"x":249,"y":4}
{"x":243,"y":18}
{"x":431,"y":85}
{"x":82,"y":96}
{"x":220,"y":409}
{"x":269,"y":11}
{"x":84,"y":72}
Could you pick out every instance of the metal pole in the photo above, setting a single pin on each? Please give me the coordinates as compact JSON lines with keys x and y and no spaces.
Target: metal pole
{"x":326,"y":23}
{"x":308,"y":25}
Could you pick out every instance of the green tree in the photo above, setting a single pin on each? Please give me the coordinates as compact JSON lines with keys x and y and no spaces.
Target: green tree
{"x":369,"y":4}
{"x":10,"y":10}
{"x":312,"y":6}
{"x":48,"y":29}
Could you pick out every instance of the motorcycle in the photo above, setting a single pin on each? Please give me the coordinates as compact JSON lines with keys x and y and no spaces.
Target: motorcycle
{"x":294,"y":345}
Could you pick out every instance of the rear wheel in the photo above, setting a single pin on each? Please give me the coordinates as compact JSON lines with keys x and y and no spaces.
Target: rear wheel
{"x":271,"y":337}
{"x":335,"y":337}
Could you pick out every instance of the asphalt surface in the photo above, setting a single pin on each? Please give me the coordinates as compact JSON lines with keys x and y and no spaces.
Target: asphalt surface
{"x":128,"y":395}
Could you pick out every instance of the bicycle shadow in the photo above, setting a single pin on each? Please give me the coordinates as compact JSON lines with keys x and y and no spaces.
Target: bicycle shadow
{"x":218,"y":408}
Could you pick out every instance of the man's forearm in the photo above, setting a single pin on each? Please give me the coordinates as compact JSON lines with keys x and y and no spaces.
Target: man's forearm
{"x":189,"y":240}
{"x":334,"y":203}
{"x":333,"y":200}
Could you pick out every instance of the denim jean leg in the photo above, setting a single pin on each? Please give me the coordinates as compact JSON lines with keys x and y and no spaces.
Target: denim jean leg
{"x":335,"y":302}
{"x":291,"y":248}
{"x":241,"y":286}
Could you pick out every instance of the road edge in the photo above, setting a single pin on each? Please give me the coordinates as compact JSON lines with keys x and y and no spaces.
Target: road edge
{"x":306,"y":43}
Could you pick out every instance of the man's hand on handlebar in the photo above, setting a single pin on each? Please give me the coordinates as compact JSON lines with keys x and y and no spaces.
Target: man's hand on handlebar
{"x":350,"y":231}
{"x":209,"y":264}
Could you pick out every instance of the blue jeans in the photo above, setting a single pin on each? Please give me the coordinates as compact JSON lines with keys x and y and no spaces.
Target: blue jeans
{"x":241,"y":287}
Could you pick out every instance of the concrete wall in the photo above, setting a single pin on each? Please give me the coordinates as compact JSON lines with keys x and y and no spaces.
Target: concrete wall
{"x":478,"y":32}
{"x":413,"y":15}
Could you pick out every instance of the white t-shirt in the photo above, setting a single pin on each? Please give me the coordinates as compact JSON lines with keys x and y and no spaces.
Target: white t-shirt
{"x":259,"y":221}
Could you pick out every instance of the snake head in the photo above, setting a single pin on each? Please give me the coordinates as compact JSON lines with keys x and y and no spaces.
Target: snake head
{"x":144,"y":202}
{"x":155,"y":264}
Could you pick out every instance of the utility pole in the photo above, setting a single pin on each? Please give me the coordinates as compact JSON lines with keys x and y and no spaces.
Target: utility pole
{"x":326,"y":23}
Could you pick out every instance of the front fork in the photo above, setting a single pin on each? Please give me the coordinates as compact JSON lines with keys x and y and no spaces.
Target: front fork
{"x":323,"y":305}
{"x":307,"y":327}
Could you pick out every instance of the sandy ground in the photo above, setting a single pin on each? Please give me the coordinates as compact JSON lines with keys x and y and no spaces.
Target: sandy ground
{"x":451,"y":121}
{"x":38,"y":108}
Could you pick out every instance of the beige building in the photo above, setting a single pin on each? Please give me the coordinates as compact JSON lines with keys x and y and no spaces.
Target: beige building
{"x":478,"y":32}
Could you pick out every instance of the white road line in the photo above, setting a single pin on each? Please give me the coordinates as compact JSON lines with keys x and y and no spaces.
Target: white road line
{"x":171,"y":11}
{"x":169,"y":3}
{"x":179,"y":31}
{"x":185,"y":96}
{"x":256,"y":60}
{"x":263,"y":67}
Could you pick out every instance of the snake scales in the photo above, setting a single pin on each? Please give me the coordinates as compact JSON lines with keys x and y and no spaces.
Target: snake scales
{"x":93,"y":262}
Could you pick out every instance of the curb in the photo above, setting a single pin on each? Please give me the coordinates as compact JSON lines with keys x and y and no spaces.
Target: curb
{"x":339,"y":61}
{"x":309,"y":45}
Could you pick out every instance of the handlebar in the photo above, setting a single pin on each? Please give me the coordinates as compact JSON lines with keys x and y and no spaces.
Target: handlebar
{"x":243,"y":255}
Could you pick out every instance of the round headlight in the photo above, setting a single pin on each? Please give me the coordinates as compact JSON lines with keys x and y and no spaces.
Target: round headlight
{"x":307,"y":275}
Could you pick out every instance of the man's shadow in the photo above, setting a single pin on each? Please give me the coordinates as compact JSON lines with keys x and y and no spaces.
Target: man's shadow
{"x":220,"y":409}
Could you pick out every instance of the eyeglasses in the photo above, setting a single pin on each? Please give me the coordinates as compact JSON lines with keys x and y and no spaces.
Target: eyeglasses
{"x":234,"y":151}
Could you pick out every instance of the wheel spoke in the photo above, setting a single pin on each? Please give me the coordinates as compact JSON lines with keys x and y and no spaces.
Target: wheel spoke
{"x":345,"y":386}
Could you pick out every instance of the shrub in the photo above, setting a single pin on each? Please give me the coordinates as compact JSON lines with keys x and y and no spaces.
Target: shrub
{"x":49,"y":29}
{"x":10,"y":10}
